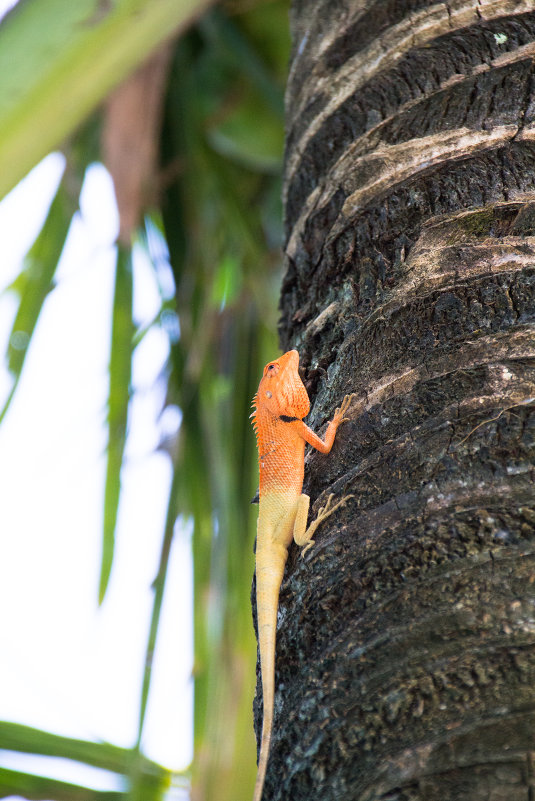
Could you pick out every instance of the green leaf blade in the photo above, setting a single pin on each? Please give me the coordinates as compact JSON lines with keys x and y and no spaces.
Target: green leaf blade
{"x":43,"y":788}
{"x":35,"y":282}
{"x":120,"y":374}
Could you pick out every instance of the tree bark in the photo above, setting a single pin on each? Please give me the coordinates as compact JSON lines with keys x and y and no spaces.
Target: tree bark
{"x":406,"y":641}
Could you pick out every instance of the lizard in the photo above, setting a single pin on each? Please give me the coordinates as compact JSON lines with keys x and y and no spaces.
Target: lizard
{"x":280,"y":405}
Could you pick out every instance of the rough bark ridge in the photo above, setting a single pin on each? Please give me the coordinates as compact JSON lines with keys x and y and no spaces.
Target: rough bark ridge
{"x":406,"y":643}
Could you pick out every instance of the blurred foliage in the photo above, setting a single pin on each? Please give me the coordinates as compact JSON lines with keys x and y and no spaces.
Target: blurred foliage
{"x":120,"y":371}
{"x":58,"y":62}
{"x":108,"y":757}
{"x":35,"y":281}
{"x":216,"y":222}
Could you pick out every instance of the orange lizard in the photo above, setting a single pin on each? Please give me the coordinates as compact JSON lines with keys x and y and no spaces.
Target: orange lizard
{"x":280,"y":405}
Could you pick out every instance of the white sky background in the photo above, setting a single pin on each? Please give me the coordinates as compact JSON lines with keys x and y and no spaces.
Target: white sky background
{"x":66,"y":665}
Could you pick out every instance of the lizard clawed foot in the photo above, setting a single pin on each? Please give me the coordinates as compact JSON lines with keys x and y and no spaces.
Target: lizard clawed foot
{"x":323,"y":513}
{"x":328,"y":509}
{"x":309,"y":544}
{"x":341,"y":410}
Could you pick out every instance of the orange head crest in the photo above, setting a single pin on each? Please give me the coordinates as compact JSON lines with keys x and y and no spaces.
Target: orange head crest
{"x":281,"y":391}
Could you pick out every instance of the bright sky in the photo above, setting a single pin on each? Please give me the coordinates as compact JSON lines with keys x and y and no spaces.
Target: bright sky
{"x":5,"y":5}
{"x":68,"y":666}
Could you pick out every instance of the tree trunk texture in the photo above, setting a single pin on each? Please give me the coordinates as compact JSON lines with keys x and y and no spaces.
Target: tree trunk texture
{"x":406,"y":640}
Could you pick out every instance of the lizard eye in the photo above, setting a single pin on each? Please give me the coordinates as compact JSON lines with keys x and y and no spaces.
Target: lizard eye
{"x":271,"y":368}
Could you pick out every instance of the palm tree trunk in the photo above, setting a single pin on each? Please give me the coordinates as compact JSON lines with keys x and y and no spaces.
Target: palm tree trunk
{"x":406,"y":658}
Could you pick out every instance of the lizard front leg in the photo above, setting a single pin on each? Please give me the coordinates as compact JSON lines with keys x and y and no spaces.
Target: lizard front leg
{"x":302,"y":534}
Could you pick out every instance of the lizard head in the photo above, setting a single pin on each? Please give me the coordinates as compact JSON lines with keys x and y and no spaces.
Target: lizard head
{"x":281,"y":390}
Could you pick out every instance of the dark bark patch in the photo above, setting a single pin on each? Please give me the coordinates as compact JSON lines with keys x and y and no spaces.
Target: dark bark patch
{"x":414,"y":686}
{"x":384,"y":232}
{"x":470,"y":103}
{"x":419,"y":76}
{"x":433,"y":401}
{"x":374,"y":21}
{"x":319,"y":222}
{"x":425,"y":327}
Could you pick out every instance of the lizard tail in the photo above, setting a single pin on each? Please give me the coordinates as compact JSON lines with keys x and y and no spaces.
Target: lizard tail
{"x":264,"y":755}
{"x":269,"y":572}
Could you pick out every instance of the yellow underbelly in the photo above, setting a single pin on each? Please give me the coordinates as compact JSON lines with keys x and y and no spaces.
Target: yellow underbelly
{"x":276,"y":517}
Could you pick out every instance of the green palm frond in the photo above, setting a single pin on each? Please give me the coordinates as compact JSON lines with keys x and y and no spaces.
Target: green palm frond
{"x":119,"y":394}
{"x":121,"y":761}
{"x":60,"y":59}
{"x":34,"y":283}
{"x":225,"y":301}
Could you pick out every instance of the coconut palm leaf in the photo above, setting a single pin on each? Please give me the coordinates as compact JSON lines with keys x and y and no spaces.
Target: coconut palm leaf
{"x":60,"y":59}
{"x":27,"y":740}
{"x":120,"y":372}
{"x":35,"y":281}
{"x":214,"y":217}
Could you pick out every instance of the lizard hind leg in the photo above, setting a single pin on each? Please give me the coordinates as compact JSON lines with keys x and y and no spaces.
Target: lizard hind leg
{"x":302,"y":534}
